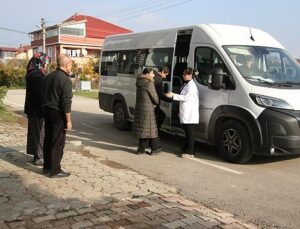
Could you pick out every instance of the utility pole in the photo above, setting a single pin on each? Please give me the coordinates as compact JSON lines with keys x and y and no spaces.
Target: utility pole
{"x":44,"y":34}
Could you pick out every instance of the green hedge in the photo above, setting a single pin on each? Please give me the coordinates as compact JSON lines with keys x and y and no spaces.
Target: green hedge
{"x":3,"y":91}
{"x":12,"y":73}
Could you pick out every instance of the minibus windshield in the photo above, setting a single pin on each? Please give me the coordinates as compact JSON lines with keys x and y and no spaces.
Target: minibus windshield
{"x":265,"y":64}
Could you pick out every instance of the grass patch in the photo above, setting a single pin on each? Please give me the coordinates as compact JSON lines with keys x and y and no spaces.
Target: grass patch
{"x":88,"y":94}
{"x":7,"y":116}
{"x":17,"y":87}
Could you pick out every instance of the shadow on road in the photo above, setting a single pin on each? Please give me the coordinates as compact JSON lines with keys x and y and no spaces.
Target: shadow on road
{"x":97,"y":130}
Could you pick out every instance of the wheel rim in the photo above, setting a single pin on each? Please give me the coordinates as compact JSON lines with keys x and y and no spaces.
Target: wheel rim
{"x":232,"y":142}
{"x":119,"y":116}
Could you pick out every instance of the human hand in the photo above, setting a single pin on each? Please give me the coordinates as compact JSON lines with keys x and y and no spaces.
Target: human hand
{"x":68,"y":126}
{"x":169,"y":94}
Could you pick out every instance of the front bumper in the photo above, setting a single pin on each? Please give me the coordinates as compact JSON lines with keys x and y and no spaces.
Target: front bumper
{"x":281,"y":132}
{"x":288,"y":145}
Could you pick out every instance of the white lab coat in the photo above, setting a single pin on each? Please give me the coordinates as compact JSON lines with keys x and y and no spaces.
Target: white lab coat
{"x":188,"y":103}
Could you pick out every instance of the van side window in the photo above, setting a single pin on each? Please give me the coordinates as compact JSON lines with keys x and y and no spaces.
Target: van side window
{"x":205,"y":60}
{"x":159,"y":57}
{"x":118,"y":62}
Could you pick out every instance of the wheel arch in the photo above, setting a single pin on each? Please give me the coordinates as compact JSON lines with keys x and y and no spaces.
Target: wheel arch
{"x":119,"y":98}
{"x":224,"y":113}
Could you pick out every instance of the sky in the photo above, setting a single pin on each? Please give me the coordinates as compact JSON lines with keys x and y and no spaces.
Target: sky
{"x":279,"y":18}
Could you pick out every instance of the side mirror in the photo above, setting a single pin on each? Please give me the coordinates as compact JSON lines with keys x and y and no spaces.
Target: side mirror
{"x":166,"y":88}
{"x":216,"y":79}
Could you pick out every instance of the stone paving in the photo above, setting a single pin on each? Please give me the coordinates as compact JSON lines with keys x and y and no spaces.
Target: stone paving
{"x":98,"y":194}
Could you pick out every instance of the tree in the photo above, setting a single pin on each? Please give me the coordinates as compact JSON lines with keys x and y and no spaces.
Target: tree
{"x":13,"y":73}
{"x":88,"y":70}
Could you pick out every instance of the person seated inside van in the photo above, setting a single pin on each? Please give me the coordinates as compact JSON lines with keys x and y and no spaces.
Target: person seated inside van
{"x":247,"y":68}
{"x":204,"y":70}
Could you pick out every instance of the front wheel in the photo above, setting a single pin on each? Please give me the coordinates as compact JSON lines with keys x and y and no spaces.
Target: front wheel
{"x":120,"y":118}
{"x":233,"y":142}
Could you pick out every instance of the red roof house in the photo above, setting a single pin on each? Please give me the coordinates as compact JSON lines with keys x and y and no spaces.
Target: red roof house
{"x":98,"y":28}
{"x":22,"y":52}
{"x":7,"y":53}
{"x":79,"y":36}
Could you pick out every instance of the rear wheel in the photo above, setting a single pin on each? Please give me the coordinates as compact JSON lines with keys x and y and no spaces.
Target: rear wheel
{"x":120,"y":117}
{"x":233,"y":142}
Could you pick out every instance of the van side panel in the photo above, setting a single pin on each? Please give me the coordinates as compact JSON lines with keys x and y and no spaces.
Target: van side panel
{"x":124,"y":86}
{"x":105,"y":101}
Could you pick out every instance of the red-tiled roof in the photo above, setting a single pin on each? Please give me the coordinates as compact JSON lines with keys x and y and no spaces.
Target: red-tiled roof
{"x":98,"y":28}
{"x":298,"y":61}
{"x":7,"y":49}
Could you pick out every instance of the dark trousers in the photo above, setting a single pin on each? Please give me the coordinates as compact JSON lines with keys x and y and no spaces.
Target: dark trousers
{"x":159,"y":116}
{"x":145,"y":142}
{"x":54,"y":141}
{"x":35,"y":137}
{"x":189,"y":140}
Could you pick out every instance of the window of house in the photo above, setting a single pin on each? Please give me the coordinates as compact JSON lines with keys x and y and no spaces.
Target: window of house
{"x":72,"y":31}
{"x":72,"y":52}
{"x":51,"y":33}
{"x":8,"y":54}
{"x":50,"y":52}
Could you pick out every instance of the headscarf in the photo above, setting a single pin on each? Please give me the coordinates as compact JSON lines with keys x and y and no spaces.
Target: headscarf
{"x":37,"y":62}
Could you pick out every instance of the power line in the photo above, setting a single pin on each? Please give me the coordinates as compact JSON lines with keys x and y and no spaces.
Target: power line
{"x":151,"y":11}
{"x":134,"y":6}
{"x":14,"y":44}
{"x":136,"y":10}
{"x":13,"y":30}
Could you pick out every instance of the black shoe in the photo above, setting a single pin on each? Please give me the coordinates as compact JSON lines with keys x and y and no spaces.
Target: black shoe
{"x":46,"y":171}
{"x":140,"y":151}
{"x":183,"y":150}
{"x":61,"y":175}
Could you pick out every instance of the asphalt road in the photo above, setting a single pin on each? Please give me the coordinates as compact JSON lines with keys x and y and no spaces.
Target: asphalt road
{"x":266,"y":191}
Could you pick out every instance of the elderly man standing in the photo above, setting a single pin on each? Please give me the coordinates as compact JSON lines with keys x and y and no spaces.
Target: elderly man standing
{"x":57,"y":114}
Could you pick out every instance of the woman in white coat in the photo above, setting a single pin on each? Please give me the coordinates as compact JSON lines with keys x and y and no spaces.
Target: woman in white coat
{"x":188,"y":110}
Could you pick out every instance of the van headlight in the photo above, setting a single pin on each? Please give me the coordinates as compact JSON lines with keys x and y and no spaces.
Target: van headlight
{"x":266,"y":101}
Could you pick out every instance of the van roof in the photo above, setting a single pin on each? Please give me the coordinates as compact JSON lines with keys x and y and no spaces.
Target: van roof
{"x":239,"y":35}
{"x":214,"y":34}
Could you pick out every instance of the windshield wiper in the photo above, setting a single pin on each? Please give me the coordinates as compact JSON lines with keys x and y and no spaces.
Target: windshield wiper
{"x":259,"y":80}
{"x":283,"y":84}
{"x":289,"y":83}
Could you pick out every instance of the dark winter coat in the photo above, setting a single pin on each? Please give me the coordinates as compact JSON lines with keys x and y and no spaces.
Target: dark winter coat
{"x":34,"y":94}
{"x":158,"y":83}
{"x":144,"y":125}
{"x":58,"y":91}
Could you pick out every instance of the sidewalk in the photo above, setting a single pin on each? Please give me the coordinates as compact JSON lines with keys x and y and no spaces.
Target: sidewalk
{"x":98,"y":194}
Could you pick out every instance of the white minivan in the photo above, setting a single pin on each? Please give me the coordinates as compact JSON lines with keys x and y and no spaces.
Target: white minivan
{"x":248,"y":84}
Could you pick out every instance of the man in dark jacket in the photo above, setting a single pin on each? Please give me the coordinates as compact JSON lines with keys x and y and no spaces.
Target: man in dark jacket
{"x":57,"y":109}
{"x":160,"y":75}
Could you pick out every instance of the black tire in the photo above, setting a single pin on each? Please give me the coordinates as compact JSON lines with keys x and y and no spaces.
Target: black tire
{"x":233,"y":142}
{"x":120,"y":117}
